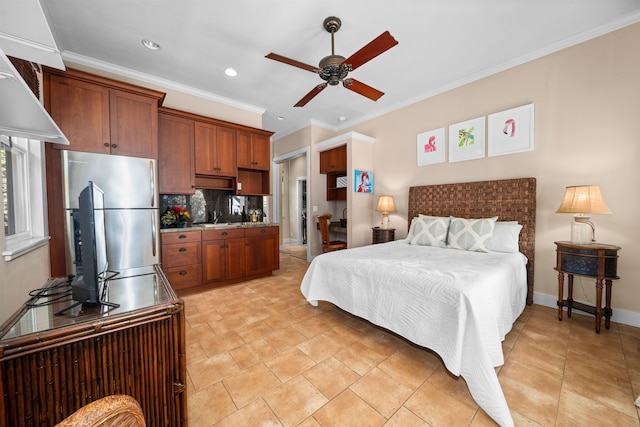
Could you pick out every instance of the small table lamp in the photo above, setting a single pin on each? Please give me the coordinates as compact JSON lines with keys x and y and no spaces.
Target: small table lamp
{"x":385,"y":205}
{"x":581,"y":200}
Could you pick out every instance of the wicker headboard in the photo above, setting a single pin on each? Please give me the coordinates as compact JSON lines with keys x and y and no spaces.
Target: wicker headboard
{"x":509,"y":199}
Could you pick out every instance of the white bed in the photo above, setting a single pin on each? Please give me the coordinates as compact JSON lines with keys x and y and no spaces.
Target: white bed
{"x":458,"y":303}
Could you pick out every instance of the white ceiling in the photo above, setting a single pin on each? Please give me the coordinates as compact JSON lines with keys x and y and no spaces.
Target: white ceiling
{"x":442,"y":45}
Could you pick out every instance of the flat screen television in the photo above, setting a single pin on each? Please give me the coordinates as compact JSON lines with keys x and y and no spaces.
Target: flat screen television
{"x":88,"y":287}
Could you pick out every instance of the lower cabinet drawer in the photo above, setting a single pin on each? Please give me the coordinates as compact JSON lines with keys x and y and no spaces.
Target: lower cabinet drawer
{"x":184,"y":277}
{"x":181,"y":254}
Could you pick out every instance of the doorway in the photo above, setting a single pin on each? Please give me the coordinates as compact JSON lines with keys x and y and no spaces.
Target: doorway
{"x":291,"y":193}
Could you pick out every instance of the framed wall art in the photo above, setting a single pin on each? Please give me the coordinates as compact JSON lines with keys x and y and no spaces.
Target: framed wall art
{"x":363,"y":181}
{"x":431,"y":147}
{"x":466,"y":140}
{"x":511,"y":131}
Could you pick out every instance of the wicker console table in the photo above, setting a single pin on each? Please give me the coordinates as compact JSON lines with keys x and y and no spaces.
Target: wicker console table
{"x":53,"y":364}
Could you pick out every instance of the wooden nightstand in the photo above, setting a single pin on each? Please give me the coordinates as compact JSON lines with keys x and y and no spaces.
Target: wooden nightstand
{"x":382,"y":235}
{"x":596,"y":260}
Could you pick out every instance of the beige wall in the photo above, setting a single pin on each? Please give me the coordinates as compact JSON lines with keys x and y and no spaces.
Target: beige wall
{"x":587,"y":101}
{"x":19,"y":276}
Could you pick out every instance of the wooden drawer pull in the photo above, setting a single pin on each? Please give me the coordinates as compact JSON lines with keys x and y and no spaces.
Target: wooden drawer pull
{"x":263,"y":231}
{"x":182,"y":236}
{"x":224,"y":233}
{"x":182,"y":250}
{"x":183,"y":272}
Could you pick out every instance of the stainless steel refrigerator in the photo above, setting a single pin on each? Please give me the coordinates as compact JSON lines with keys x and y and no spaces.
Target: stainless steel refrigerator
{"x":130,"y":186}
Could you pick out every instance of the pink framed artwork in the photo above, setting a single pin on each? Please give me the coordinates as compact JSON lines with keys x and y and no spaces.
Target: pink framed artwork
{"x":431,"y":147}
{"x":511,"y":131}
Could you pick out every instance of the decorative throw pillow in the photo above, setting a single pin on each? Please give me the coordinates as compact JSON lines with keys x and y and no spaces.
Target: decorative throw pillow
{"x":505,"y":237}
{"x":470,"y":234}
{"x":430,"y":231}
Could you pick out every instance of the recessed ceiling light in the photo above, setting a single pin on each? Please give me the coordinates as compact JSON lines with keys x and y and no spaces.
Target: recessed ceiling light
{"x":342,"y":118}
{"x":150,"y":44}
{"x":231,"y":72}
{"x":280,"y":118}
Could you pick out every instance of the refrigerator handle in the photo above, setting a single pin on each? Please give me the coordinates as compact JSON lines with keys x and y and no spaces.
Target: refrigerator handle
{"x":153,"y":184}
{"x":154,"y":233}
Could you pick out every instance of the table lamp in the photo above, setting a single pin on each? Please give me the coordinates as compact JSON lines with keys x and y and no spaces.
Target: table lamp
{"x":385,"y":205}
{"x":581,"y":200}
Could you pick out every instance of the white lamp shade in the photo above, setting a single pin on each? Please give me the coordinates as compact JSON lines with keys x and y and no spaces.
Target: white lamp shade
{"x":385,"y":204}
{"x":583,"y":199}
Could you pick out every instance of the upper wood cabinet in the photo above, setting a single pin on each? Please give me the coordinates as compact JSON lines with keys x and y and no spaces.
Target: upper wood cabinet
{"x":254,"y":150}
{"x":101,"y":115}
{"x":176,"y":172}
{"x":215,"y":150}
{"x":334,"y":160}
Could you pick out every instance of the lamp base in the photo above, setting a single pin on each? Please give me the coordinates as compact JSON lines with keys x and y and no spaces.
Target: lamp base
{"x":582,"y":230}
{"x":385,"y":222}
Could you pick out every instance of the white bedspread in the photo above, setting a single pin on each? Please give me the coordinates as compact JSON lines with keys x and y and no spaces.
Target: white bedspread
{"x":460,"y":304}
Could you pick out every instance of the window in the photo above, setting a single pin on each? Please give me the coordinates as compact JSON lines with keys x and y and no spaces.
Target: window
{"x":23,"y":192}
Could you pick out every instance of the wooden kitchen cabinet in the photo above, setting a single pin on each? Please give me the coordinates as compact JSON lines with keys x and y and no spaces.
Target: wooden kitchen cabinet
{"x":334,"y":160}
{"x":215,"y":150}
{"x":223,"y":255}
{"x":254,"y":150}
{"x":182,"y":258}
{"x":101,"y":115}
{"x":229,"y":255}
{"x":261,"y":254}
{"x":176,"y":170}
{"x":254,"y":159}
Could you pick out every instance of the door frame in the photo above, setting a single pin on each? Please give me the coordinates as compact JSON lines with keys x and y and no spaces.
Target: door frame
{"x":300,"y":207}
{"x":276,"y":185}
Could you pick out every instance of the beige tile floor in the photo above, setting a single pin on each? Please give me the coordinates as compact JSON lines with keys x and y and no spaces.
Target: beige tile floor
{"x":259,"y":354}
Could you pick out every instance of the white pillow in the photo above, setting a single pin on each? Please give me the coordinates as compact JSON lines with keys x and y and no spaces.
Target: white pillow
{"x":470,"y":234}
{"x":505,"y":237}
{"x":430,"y":231}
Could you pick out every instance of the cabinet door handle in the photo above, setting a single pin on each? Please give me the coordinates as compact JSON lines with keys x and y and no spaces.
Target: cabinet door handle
{"x":182,"y":236}
{"x":182,"y":250}
{"x":106,"y":144}
{"x":182,"y":272}
{"x":114,"y":145}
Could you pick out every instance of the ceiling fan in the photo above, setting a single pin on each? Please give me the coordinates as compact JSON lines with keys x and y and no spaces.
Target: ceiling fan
{"x":334,"y":69}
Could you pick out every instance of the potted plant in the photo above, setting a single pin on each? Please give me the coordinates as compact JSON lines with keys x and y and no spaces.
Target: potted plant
{"x":176,"y":216}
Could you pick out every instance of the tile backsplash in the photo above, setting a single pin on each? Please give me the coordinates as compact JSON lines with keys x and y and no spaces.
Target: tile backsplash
{"x":217,"y":206}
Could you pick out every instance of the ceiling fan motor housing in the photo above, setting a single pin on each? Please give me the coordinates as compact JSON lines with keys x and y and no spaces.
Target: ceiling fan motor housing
{"x":332,"y":69}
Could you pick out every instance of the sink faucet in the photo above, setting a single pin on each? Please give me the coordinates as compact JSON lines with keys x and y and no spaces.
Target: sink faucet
{"x":215,"y":216}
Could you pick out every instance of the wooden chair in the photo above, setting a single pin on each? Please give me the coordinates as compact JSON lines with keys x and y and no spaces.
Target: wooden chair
{"x":109,"y":411}
{"x":329,"y":245}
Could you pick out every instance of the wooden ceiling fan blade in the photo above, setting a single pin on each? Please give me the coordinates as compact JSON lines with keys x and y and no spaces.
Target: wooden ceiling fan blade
{"x":380,"y":44}
{"x":362,"y":89}
{"x":308,"y":97}
{"x":293,"y":62}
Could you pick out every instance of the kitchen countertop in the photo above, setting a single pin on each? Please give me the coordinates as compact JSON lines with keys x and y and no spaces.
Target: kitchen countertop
{"x":200,"y":227}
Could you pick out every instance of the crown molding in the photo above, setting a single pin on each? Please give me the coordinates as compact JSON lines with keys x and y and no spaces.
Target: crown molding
{"x":148,"y":78}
